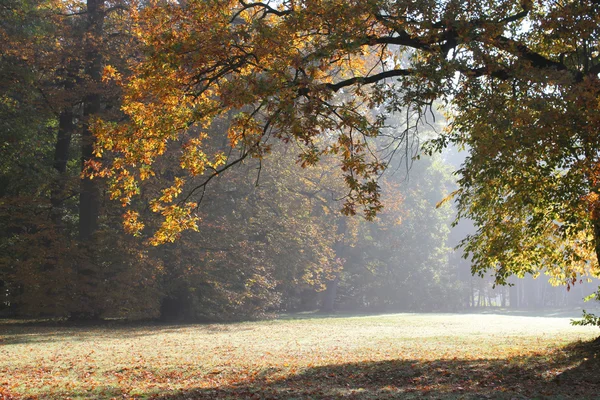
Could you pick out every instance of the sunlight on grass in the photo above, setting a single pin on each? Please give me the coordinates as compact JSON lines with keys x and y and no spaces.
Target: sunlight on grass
{"x":141,"y":361}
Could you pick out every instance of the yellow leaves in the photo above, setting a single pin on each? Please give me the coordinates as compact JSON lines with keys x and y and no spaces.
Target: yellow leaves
{"x":591,"y":198}
{"x":146,"y":172}
{"x":193,"y":158}
{"x":197,"y":69}
{"x":176,"y":220}
{"x":446,"y":199}
{"x":110,"y":73}
{"x":234,"y":137}
{"x":131,"y":223}
{"x":170,"y":193}
{"x":219,"y":159}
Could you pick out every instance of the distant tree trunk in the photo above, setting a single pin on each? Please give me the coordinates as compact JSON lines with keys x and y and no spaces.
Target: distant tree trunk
{"x":543,"y":296}
{"x":328,"y":299}
{"x":503,"y":296}
{"x":513,"y":297}
{"x":467,"y":299}
{"x":329,"y":295}
{"x":532,"y":296}
{"x":63,"y":140}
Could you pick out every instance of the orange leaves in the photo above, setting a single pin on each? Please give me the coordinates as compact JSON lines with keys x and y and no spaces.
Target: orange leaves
{"x":176,"y":220}
{"x":131,"y":223}
{"x":193,"y":158}
{"x":245,"y":129}
{"x":91,"y":169}
{"x":170,"y":193}
{"x":110,"y":73}
{"x":247,"y":73}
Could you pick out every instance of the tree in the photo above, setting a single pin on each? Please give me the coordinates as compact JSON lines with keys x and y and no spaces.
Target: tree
{"x":531,"y":180}
{"x":46,"y":267}
{"x":520,"y":77}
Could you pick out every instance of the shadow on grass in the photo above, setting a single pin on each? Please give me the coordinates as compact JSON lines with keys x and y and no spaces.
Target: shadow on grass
{"x":52,"y":331}
{"x":588,"y":370}
{"x":518,"y":378}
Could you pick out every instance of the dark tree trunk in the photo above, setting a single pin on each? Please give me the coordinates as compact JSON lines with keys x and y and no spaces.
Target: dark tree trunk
{"x":63,"y":141}
{"x":596,"y":222}
{"x":89,"y":194}
{"x":89,"y":198}
{"x":61,"y":157}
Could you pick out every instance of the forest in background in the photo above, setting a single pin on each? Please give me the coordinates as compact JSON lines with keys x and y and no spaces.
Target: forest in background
{"x":266,"y":235}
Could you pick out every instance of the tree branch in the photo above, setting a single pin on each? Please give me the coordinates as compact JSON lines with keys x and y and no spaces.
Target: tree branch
{"x":267,"y":9}
{"x":524,"y":52}
{"x":361,"y":80}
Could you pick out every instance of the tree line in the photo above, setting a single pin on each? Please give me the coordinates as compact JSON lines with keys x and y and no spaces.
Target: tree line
{"x":162,"y":116}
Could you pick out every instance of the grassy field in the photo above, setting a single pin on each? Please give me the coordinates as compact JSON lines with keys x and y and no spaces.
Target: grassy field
{"x":445,"y":356}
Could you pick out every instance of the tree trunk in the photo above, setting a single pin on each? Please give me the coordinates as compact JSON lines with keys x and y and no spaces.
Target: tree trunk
{"x":89,"y":198}
{"x":89,"y":194}
{"x":513,"y":297}
{"x":543,"y":295}
{"x":532,"y":293}
{"x":61,"y":157}
{"x":596,"y":222}
{"x":329,"y":295}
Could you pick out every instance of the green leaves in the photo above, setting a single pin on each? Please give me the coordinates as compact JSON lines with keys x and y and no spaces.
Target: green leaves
{"x":589,"y":319}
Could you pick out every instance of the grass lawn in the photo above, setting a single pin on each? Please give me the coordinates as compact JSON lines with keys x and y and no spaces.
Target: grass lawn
{"x":444,"y":356}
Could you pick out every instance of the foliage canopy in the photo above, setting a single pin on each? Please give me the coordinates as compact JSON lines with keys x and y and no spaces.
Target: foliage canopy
{"x":520,"y":79}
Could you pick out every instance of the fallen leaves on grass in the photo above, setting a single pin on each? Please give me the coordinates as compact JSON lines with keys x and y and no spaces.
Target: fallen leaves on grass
{"x":400,"y":356}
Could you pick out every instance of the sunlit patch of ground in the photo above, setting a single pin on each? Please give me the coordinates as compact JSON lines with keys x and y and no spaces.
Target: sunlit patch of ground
{"x":447,"y":356}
